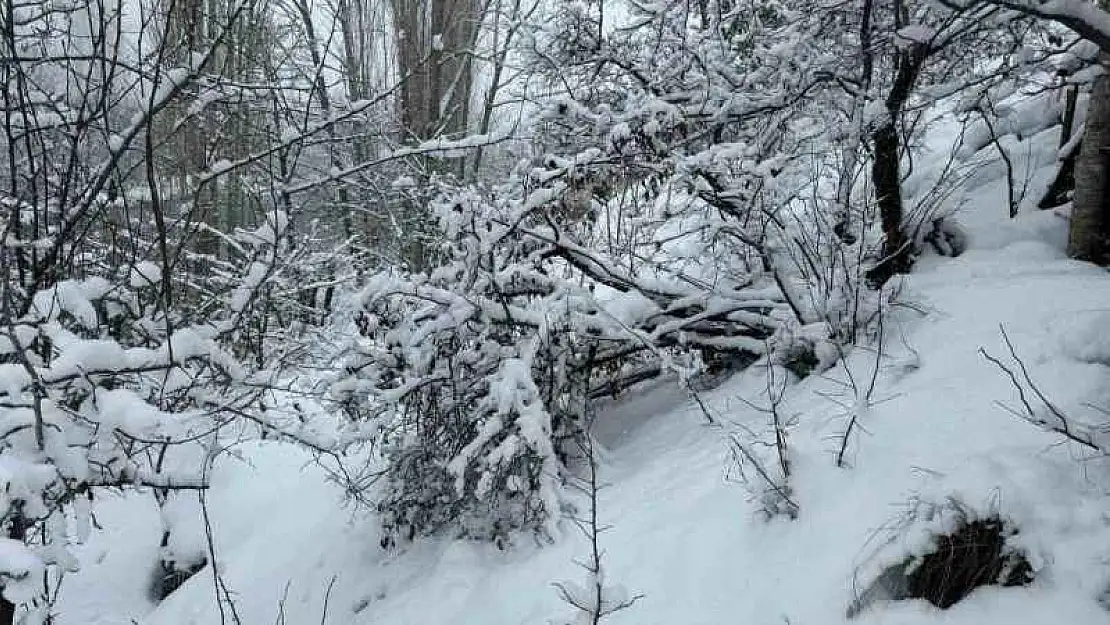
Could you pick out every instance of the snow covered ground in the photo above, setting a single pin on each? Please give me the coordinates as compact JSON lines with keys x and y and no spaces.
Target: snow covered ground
{"x":686,"y":533}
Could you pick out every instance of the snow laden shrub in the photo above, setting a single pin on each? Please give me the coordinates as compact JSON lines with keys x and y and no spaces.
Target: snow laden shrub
{"x":477,"y":372}
{"x":954,"y":550}
{"x":659,"y":229}
{"x":710,"y":125}
{"x":103,"y":387}
{"x":83,"y":410}
{"x":270,"y":292}
{"x":471,"y":371}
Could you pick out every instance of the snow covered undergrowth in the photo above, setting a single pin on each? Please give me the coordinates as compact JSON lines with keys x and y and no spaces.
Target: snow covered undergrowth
{"x":686,"y":533}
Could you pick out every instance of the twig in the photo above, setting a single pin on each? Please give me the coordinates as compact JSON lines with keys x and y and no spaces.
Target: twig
{"x":599,"y":605}
{"x":327,"y":598}
{"x":1063,"y":426}
{"x":217,"y":580}
{"x":737,"y":446}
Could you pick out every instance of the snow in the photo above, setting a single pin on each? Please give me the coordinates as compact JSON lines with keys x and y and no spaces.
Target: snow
{"x":13,"y":379}
{"x":123,"y":409}
{"x":1021,"y":119}
{"x":631,"y":307}
{"x":686,"y":529}
{"x":72,"y":297}
{"x":685,"y":534}
{"x":221,"y":166}
{"x":172,"y":80}
{"x":145,"y":273}
{"x":21,"y":571}
{"x":1087,"y":18}
{"x":289,"y":134}
{"x":916,"y":34}
{"x":123,"y":554}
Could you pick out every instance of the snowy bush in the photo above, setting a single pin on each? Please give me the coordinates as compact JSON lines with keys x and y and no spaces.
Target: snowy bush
{"x":660,"y":230}
{"x":102,"y":387}
{"x":472,"y":371}
{"x":954,"y":550}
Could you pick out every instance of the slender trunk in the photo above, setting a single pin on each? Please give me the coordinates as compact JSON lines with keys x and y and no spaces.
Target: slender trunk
{"x":886,"y":175}
{"x":1011,"y":192}
{"x":1064,"y":181}
{"x":1089,"y":236}
{"x":886,"y":171}
{"x":499,"y":52}
{"x":843,"y":225}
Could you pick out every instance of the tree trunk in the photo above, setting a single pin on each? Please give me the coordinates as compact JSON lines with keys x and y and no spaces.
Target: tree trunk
{"x":851,"y":152}
{"x":434,"y":43}
{"x":886,"y":171}
{"x":1064,"y":182}
{"x":886,"y":175}
{"x":1089,"y":236}
{"x":7,"y":612}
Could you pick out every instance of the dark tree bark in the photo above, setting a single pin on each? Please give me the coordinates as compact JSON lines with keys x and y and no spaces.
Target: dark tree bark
{"x":1089,"y":236}
{"x":886,"y":171}
{"x":435,"y":42}
{"x":435,"y":39}
{"x":1064,"y":182}
{"x":886,"y":176}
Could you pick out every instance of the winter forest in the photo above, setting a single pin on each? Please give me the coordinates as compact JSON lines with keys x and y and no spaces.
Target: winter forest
{"x":555,"y":312}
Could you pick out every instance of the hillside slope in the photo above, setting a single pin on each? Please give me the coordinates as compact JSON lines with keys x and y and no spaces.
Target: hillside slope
{"x":686,"y":533}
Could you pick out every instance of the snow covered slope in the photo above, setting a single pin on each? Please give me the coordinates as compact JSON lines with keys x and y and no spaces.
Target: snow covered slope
{"x":686,"y":533}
